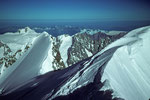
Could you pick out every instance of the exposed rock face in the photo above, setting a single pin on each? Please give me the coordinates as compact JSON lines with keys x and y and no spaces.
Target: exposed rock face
{"x":14,"y":45}
{"x":122,"y":65}
{"x":80,"y":81}
{"x":85,"y":45}
{"x":8,"y":57}
{"x":65,"y":50}
{"x":57,"y":61}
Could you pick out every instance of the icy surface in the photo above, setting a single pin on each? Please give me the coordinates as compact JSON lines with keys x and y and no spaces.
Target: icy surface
{"x":128,"y":70}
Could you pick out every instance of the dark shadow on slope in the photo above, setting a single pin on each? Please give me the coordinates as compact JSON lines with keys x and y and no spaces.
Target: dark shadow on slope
{"x":51,"y":82}
{"x":89,"y":92}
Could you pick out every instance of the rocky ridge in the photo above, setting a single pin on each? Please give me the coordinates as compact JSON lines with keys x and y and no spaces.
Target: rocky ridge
{"x":65,"y":50}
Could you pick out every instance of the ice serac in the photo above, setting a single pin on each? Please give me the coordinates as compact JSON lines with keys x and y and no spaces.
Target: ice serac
{"x":128,"y":71}
{"x":28,"y":66}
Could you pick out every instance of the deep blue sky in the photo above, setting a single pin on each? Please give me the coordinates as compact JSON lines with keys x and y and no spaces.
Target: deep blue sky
{"x":75,"y":9}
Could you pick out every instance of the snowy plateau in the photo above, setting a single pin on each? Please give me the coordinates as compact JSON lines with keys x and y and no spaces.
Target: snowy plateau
{"x":96,"y":65}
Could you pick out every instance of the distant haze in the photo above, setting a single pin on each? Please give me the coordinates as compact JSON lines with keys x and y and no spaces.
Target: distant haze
{"x":101,"y":10}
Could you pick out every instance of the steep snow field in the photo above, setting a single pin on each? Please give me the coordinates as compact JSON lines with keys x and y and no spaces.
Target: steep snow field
{"x":47,"y":64}
{"x":28,"y":66}
{"x":128,"y":71}
{"x":17,"y":43}
{"x":124,"y":64}
{"x":66,"y":42}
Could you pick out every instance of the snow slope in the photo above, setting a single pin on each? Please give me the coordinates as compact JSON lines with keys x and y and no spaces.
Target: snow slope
{"x":63,"y":82}
{"x":47,"y":64}
{"x":124,"y":64}
{"x":17,"y":43}
{"x":28,"y":65}
{"x":128,"y":70}
{"x":18,"y":39}
{"x":66,"y":42}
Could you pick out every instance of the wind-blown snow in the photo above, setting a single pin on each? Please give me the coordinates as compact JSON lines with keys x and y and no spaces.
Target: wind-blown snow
{"x":128,"y":70}
{"x":65,"y":45}
{"x":47,"y":64}
{"x":28,"y":65}
{"x":84,"y":74}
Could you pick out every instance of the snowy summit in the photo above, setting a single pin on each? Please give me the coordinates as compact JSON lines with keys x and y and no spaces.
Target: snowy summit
{"x":118,"y":70}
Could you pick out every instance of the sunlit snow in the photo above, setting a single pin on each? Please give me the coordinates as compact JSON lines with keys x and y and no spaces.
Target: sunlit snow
{"x":128,"y":70}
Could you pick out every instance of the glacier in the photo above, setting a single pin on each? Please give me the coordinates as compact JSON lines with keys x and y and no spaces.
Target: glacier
{"x":122,"y":66}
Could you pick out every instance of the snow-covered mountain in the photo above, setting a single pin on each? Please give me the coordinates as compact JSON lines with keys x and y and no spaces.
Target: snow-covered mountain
{"x":120,"y":70}
{"x":12,"y":46}
{"x":64,"y":50}
{"x":128,"y":70}
{"x":85,"y":45}
{"x":92,"y":31}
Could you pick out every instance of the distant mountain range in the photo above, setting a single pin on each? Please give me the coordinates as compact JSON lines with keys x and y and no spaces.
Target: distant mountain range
{"x":54,"y":30}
